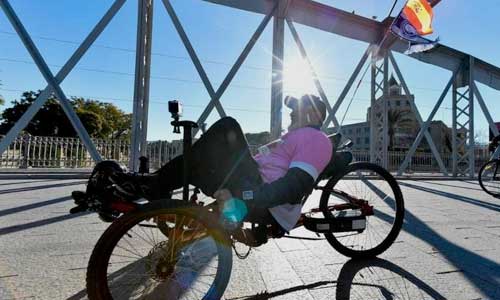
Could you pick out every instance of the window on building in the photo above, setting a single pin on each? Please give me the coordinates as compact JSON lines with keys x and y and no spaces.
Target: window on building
{"x":367,"y":140}
{"x":350,"y":131}
{"x":358,"y":130}
{"x":398,"y":103}
{"x":367,"y":129}
{"x":358,"y":140}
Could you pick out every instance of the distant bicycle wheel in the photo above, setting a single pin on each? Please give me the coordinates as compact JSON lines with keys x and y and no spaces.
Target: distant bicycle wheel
{"x":189,"y":257}
{"x":489,"y":177}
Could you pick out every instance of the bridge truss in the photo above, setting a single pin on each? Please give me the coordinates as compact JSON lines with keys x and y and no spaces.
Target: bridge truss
{"x":466,"y":71}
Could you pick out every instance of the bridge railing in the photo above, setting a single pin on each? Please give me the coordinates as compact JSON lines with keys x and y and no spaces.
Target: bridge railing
{"x":28,"y":151}
{"x":60,"y":152}
{"x":421,"y":162}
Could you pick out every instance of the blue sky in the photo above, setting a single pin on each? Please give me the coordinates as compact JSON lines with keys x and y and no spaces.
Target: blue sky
{"x":218,"y":35}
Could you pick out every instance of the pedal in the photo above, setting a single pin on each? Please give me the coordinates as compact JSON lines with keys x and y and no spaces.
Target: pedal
{"x":345,"y":221}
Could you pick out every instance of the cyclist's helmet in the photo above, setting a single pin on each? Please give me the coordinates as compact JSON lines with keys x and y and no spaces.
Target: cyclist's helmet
{"x":307,"y":100}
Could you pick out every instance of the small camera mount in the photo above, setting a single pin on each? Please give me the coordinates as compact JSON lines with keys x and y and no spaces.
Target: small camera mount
{"x":175,"y":108}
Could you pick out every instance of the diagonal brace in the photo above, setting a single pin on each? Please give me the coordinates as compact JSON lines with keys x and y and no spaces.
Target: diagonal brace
{"x":425,"y":127}
{"x":427,"y":135}
{"x":313,"y":73}
{"x":61,"y":75}
{"x":229,"y":77}
{"x":347,"y":87}
{"x":194,"y":57}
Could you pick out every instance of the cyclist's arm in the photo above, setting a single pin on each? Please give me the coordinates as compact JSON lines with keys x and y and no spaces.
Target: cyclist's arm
{"x":290,"y":188}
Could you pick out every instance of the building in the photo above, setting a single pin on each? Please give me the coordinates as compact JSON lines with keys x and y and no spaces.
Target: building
{"x":403,"y":125}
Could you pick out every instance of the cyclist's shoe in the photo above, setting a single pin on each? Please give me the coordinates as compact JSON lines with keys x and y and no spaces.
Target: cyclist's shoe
{"x":132,"y":186}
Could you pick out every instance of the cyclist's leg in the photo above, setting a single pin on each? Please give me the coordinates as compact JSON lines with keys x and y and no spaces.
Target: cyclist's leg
{"x":219,"y":159}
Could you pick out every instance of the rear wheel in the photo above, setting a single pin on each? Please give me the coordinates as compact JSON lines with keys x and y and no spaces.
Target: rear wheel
{"x":188,"y":258}
{"x":489,"y":177}
{"x":371,"y":183}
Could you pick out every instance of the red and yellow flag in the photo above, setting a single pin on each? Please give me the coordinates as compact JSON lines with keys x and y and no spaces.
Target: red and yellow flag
{"x":419,"y":14}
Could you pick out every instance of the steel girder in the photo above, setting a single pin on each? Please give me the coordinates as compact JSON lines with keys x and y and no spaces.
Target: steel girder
{"x":140,"y":114}
{"x":330,"y":19}
{"x":379,"y":123}
{"x":54,"y":82}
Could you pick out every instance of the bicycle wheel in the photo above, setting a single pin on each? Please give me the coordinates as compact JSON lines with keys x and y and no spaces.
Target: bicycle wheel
{"x":489,"y":177}
{"x":371,"y":183}
{"x":134,"y":259}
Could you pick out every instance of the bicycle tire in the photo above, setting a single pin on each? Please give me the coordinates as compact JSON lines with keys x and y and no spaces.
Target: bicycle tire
{"x":97,"y":277}
{"x":399,"y":211}
{"x":482,"y":179}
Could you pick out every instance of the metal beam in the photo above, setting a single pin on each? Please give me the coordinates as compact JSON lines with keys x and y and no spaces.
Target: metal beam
{"x":379,"y":110}
{"x":277,"y":70}
{"x":330,"y":19}
{"x":61,"y":75}
{"x":472,"y":142}
{"x":138,"y":144}
{"x":347,"y":87}
{"x":321,"y":92}
{"x":426,"y":126}
{"x":229,"y":77}
{"x":485,"y":110}
{"x":414,"y":108}
{"x":463,"y":120}
{"x":193,"y":56}
{"x":49,"y":77}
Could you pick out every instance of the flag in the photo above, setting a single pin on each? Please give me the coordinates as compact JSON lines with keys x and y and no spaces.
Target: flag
{"x":419,"y":14}
{"x":414,"y":21}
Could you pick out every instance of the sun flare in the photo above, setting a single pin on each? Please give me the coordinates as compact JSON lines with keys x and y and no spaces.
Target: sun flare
{"x":297,"y":78}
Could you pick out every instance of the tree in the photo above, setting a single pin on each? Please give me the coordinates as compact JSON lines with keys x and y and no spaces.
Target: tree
{"x":2,"y":100}
{"x":397,"y":119}
{"x":102,"y":120}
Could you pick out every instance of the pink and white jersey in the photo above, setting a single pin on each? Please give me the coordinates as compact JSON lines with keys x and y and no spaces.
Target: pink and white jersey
{"x":305,"y":148}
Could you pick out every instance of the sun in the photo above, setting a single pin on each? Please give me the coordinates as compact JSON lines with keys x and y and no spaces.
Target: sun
{"x":297,"y":78}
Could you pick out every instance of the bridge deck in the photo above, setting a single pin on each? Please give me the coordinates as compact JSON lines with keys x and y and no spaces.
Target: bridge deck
{"x":449,"y":249}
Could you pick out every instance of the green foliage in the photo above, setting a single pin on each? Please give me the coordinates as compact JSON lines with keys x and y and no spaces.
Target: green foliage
{"x":102,"y":120}
{"x":397,"y":119}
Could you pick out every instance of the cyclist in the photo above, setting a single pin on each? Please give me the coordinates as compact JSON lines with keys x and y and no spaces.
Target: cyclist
{"x":271,"y":184}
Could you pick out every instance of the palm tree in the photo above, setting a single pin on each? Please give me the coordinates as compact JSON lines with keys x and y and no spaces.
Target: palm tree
{"x":397,"y":119}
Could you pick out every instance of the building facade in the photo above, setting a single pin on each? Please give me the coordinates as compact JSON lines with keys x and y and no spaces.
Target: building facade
{"x":403,"y":125}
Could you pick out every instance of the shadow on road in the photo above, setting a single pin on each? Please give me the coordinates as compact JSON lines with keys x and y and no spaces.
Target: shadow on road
{"x":32,"y":206}
{"x":454,"y":186}
{"x":25,"y":182}
{"x":366,"y":279}
{"x":483,"y":204}
{"x":41,"y":187}
{"x":21,"y":227}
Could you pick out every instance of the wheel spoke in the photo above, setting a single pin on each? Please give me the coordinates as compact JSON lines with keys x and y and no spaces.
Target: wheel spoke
{"x":145,"y":263}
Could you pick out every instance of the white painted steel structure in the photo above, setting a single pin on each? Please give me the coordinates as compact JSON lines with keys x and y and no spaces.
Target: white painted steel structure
{"x":466,"y":71}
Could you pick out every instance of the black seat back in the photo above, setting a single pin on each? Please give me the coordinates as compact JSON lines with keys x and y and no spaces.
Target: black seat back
{"x":339,"y":161}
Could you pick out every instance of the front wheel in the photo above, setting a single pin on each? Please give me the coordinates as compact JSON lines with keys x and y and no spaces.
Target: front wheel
{"x":164,"y":251}
{"x":375,"y":186}
{"x":489,"y":177}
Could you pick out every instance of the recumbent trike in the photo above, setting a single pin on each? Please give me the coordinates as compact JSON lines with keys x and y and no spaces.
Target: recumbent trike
{"x":179,"y":248}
